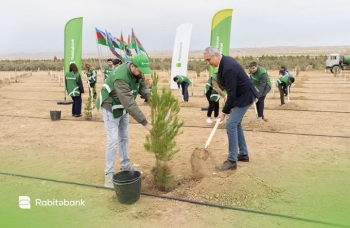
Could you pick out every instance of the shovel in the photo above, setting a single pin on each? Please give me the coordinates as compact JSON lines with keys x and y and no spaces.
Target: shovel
{"x":212,"y":134}
{"x":256,"y":112}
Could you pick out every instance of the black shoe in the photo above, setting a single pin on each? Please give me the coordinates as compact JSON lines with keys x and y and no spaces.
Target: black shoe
{"x":227,"y":165}
{"x":243,"y":158}
{"x":73,"y":114}
{"x":78,"y":115}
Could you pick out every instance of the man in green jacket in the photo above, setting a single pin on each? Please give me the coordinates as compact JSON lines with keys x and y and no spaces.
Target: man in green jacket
{"x":184,"y":82}
{"x":117,"y":101}
{"x":108,"y":69}
{"x":282,"y":83}
{"x":262,"y":84}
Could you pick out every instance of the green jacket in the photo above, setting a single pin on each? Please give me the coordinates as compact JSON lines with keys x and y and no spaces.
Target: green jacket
{"x":123,"y":74}
{"x":261,"y":85}
{"x":73,"y":84}
{"x":284,"y":79}
{"x":182,"y":79}
{"x":107,"y":71}
{"x":92,"y":76}
{"x":214,"y":95}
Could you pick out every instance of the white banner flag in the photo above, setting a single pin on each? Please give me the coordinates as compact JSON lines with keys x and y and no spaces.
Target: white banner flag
{"x":180,"y":53}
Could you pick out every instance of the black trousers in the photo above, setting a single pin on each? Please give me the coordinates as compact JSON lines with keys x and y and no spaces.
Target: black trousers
{"x":281,"y":89}
{"x":213,"y":106}
{"x":184,"y":87}
{"x":260,"y":106}
{"x":76,"y":107}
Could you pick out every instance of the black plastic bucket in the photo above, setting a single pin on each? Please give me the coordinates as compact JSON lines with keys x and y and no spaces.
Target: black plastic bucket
{"x":127,"y":186}
{"x":55,"y":115}
{"x":205,"y":108}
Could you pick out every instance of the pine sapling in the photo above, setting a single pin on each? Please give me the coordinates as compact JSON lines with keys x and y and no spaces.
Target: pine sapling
{"x":161,"y":140}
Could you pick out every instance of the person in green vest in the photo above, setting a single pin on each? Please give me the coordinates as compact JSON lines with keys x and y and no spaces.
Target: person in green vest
{"x":108,"y":69}
{"x":262,"y":84}
{"x":282,"y":83}
{"x":75,"y":88}
{"x":91,"y":75}
{"x":213,"y":94}
{"x":184,"y":82}
{"x":117,"y":102}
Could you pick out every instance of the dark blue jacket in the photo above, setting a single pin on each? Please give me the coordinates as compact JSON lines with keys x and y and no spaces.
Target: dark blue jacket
{"x":239,"y":87}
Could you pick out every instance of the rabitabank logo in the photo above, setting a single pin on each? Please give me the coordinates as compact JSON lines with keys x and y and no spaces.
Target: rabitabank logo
{"x":24,"y":202}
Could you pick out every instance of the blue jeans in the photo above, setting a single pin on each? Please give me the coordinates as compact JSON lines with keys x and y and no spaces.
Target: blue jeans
{"x":117,"y":138}
{"x":184,"y":87}
{"x":235,"y":133}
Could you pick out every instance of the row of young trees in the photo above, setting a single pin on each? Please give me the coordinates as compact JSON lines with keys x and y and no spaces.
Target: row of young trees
{"x":198,"y":65}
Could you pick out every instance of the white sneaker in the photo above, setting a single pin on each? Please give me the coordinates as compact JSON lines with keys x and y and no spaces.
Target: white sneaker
{"x":209,"y":121}
{"x":109,"y":180}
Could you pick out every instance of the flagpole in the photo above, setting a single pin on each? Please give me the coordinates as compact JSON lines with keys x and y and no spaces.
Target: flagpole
{"x":99,"y":55}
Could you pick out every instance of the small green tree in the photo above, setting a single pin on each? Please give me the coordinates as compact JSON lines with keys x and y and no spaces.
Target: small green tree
{"x":161,"y":140}
{"x":198,"y":71}
{"x":89,"y":106}
{"x":297,"y":71}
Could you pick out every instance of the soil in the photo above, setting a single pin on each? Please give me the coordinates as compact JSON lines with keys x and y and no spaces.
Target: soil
{"x":299,"y":160}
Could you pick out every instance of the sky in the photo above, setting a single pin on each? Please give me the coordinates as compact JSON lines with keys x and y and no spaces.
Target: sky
{"x":37,"y":26}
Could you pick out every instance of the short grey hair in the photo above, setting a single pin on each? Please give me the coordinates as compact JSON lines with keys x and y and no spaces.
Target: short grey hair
{"x":211,"y":51}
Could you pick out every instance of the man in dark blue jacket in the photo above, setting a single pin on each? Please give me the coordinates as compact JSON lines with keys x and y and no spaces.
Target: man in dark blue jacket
{"x":240,"y":96}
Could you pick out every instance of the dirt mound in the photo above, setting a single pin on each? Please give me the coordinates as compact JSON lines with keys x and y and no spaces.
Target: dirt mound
{"x":201,"y":159}
{"x":164,"y":81}
{"x":262,"y":125}
{"x":300,"y":98}
{"x":298,"y":84}
{"x":290,"y":105}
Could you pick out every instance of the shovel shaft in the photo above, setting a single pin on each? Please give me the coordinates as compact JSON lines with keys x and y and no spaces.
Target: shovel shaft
{"x":256,"y":112}
{"x":212,"y":134}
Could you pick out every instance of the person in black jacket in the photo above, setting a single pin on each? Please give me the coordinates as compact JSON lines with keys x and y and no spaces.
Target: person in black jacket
{"x":240,"y":96}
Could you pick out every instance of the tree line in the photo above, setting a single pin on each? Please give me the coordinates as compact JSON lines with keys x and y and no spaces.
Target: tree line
{"x":304,"y":63}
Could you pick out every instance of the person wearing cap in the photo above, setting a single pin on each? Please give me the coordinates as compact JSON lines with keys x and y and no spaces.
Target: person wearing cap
{"x":282,"y":83}
{"x":108,"y":69}
{"x":184,"y":82}
{"x":117,"y":101}
{"x":262,"y":83}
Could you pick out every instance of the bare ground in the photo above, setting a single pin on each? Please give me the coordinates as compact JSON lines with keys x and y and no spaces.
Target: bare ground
{"x":299,"y":161}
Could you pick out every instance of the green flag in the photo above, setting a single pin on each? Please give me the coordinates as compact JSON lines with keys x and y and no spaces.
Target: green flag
{"x":221,"y":33}
{"x":73,"y":43}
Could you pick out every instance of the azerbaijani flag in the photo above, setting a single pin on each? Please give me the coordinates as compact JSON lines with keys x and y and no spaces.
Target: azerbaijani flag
{"x":101,"y":37}
{"x":134,"y":43}
{"x":122,"y":42}
{"x":140,"y":45}
{"x":111,"y":47}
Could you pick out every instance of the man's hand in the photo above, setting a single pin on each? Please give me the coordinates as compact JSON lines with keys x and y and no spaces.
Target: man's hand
{"x":148,"y":126}
{"x":221,"y":116}
{"x":256,"y":100}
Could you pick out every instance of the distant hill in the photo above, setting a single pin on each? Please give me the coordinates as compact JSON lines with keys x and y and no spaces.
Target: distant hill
{"x":256,"y":52}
